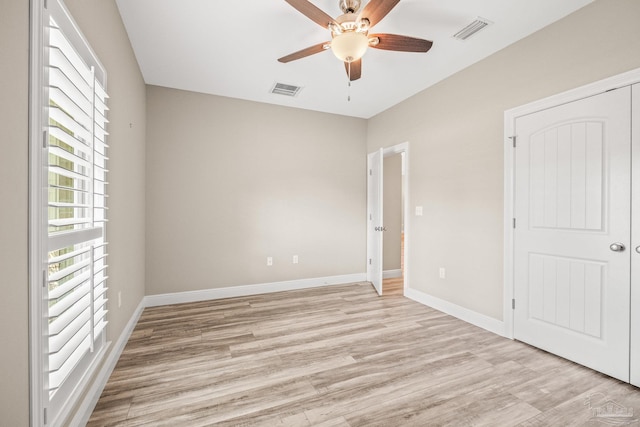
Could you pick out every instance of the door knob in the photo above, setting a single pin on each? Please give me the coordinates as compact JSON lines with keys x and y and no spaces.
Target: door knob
{"x":638,"y":249}
{"x":617,"y":247}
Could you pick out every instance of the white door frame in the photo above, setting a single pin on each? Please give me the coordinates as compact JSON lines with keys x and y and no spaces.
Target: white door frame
{"x":375,"y":212}
{"x":510,"y":117}
{"x":635,"y":236}
{"x":402,"y":148}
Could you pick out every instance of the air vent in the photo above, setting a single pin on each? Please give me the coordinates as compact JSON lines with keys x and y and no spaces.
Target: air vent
{"x":471,"y":29}
{"x":285,"y":89}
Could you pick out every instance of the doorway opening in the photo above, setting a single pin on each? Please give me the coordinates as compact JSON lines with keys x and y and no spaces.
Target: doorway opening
{"x":393,"y":220}
{"x":388,"y":233}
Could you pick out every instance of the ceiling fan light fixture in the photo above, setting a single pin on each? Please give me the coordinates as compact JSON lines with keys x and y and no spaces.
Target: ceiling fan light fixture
{"x":349,"y":46}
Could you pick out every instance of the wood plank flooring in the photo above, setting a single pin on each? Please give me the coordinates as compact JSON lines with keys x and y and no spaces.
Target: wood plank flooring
{"x":341,"y":356}
{"x":393,"y":286}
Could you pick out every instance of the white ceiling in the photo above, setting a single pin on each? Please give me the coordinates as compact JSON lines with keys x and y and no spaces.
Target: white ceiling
{"x":230,"y":48}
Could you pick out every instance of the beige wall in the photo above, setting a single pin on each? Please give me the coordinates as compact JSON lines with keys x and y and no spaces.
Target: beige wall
{"x":101,"y":24}
{"x":232,"y":182}
{"x":392,"y":211}
{"x":14,"y":312}
{"x":455,"y":131}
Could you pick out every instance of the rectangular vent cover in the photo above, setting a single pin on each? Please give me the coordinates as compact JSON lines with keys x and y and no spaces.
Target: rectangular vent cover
{"x":285,"y":89}
{"x":471,"y":29}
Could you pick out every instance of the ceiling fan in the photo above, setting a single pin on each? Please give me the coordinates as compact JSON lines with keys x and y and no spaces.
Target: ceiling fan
{"x":350,"y":36}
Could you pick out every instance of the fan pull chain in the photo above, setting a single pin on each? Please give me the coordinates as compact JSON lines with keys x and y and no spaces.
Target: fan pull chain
{"x":349,"y":84}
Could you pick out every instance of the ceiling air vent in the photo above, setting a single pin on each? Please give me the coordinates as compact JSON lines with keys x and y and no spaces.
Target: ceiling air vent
{"x":285,"y":89}
{"x":472,"y":28}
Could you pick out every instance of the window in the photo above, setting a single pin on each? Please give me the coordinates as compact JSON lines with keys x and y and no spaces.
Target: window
{"x":69,"y":201}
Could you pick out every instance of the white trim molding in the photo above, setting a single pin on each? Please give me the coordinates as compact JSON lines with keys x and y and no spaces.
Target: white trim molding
{"x":246,"y":290}
{"x":391,"y":274}
{"x":625,"y":79}
{"x":92,"y":395}
{"x":477,"y":319}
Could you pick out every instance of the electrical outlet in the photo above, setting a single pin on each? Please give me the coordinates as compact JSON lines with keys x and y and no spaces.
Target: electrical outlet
{"x":419,"y":211}
{"x":443,"y":273}
{"x":269,"y":261}
{"x":295,"y":259}
{"x":119,"y":299}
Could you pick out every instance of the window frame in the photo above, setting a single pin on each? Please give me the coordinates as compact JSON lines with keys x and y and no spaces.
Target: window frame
{"x":40,"y":404}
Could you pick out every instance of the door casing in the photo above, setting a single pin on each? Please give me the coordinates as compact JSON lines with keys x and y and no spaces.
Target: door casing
{"x":626,"y":79}
{"x":402,"y":148}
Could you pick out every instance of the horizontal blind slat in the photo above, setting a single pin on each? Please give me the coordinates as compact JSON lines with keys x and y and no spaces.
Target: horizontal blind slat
{"x":58,"y":59}
{"x":56,"y":378}
{"x":61,"y":117}
{"x":57,"y":341}
{"x":64,"y":154}
{"x":64,"y":257}
{"x":63,"y":101}
{"x":65,"y":287}
{"x":68,"y":301}
{"x":70,"y":140}
{"x":68,"y":221}
{"x":68,"y":238}
{"x":81,"y":96}
{"x":67,"y":173}
{"x":57,"y":359}
{"x":68,"y":205}
{"x":58,"y":40}
{"x":61,"y":322}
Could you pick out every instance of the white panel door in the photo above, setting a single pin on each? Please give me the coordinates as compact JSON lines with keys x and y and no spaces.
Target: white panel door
{"x":572,"y":206}
{"x":374,"y":219}
{"x":635,"y":240}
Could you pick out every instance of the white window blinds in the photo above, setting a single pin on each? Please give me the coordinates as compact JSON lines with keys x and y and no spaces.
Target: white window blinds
{"x":76,"y":276}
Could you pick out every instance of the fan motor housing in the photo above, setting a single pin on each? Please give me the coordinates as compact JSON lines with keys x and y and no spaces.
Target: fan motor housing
{"x":349,"y":6}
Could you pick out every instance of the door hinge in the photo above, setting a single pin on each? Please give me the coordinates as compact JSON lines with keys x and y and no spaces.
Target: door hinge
{"x":513,"y":140}
{"x":44,"y":416}
{"x":514,"y":223}
{"x":44,"y":278}
{"x":369,"y":261}
{"x":46,"y":4}
{"x":370,"y":217}
{"x":45,"y":139}
{"x":513,"y":304}
{"x":370,"y":172}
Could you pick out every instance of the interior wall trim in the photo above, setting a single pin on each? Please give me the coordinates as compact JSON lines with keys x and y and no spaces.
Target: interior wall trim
{"x":473,"y":317}
{"x":92,"y":395}
{"x":246,"y":290}
{"x":392,"y":274}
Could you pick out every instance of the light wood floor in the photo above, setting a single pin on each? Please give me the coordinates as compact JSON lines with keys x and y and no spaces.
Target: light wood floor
{"x":340,"y":356}
{"x":393,"y":286}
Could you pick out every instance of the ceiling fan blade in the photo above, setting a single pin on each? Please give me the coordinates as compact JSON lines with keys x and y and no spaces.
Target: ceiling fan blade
{"x":356,"y":69}
{"x":400,"y":43}
{"x":304,"y":53}
{"x":309,"y":10}
{"x":375,"y":10}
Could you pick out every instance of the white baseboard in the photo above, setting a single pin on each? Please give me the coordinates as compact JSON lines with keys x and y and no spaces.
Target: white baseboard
{"x":391,"y":274}
{"x":485,"y":322}
{"x":240,"y":291}
{"x":90,"y":400}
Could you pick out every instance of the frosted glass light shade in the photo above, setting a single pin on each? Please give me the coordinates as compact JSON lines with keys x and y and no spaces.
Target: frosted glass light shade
{"x":349,"y":46}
